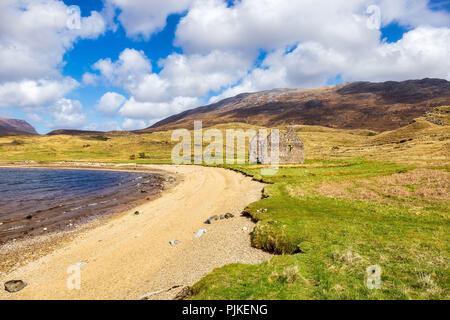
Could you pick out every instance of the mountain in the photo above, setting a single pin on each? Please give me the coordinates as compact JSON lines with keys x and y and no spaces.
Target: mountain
{"x":355,"y":105}
{"x":15,"y":126}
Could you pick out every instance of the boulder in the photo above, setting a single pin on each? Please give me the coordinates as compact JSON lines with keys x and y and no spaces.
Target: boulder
{"x":212,"y":219}
{"x":229,"y":215}
{"x":15,"y":285}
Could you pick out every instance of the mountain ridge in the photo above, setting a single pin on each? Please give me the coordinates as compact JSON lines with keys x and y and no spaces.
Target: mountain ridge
{"x":15,"y":126}
{"x":378,"y":106}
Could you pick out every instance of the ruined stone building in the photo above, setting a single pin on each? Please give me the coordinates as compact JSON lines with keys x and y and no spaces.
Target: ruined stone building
{"x":290,"y":148}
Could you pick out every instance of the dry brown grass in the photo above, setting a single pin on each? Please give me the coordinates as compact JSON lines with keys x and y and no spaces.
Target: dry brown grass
{"x":309,"y":165}
{"x":421,"y":142}
{"x":419,"y":183}
{"x":423,"y":183}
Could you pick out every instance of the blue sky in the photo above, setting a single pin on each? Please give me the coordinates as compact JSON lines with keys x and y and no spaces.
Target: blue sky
{"x":131,"y":63}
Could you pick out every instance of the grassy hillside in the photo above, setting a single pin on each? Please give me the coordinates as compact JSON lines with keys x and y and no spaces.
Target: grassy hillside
{"x":422,"y":142}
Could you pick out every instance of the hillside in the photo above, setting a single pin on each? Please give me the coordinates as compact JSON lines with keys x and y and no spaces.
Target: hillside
{"x":425,"y":140}
{"x":15,"y":126}
{"x":358,"y":105}
{"x":71,"y":132}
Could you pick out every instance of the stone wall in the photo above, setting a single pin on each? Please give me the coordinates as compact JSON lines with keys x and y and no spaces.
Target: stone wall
{"x":291,"y":148}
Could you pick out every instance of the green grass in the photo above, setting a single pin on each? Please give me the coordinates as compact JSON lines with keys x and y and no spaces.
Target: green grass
{"x":326,"y":243}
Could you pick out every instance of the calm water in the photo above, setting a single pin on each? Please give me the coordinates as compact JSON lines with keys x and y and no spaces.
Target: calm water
{"x":34,"y":199}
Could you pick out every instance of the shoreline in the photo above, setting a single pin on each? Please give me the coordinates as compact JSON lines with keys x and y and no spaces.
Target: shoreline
{"x":178,"y":213}
{"x":30,"y":246}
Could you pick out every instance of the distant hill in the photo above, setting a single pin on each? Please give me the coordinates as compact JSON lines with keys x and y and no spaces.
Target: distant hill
{"x":356,"y":105}
{"x":71,"y":132}
{"x":15,"y":126}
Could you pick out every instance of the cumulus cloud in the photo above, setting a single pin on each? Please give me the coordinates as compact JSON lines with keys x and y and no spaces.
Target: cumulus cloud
{"x":180,"y":84}
{"x":109,"y":103}
{"x":133,"y":124}
{"x":422,"y":52}
{"x":89,"y":79}
{"x":197,"y":74}
{"x":181,"y":75}
{"x":67,"y":114}
{"x":34,"y":35}
{"x":145,"y":17}
{"x":34,"y":93}
{"x":103,"y":126}
{"x":412,"y":13}
{"x":154,"y":110}
{"x":269,"y":24}
{"x":272,"y":24}
{"x":130,"y":68}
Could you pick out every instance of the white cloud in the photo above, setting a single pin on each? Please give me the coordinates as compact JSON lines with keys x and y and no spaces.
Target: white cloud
{"x":150,"y":88}
{"x":34,"y":93}
{"x":181,"y":75}
{"x":272,"y":24}
{"x":130,"y":67}
{"x":145,"y":17}
{"x":34,"y":36}
{"x":89,"y":78}
{"x":180,"y":84}
{"x":34,"y":117}
{"x":154,"y":110}
{"x":196,"y":74}
{"x":133,"y":124}
{"x":67,"y":114}
{"x":422,"y":52}
{"x":109,"y":103}
{"x":103,"y":126}
{"x":412,"y":13}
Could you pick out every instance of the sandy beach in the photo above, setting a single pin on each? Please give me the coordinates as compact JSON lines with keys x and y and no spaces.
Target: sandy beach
{"x":128,"y":256}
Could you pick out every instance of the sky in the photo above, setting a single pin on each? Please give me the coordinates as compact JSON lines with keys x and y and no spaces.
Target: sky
{"x":126,"y":64}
